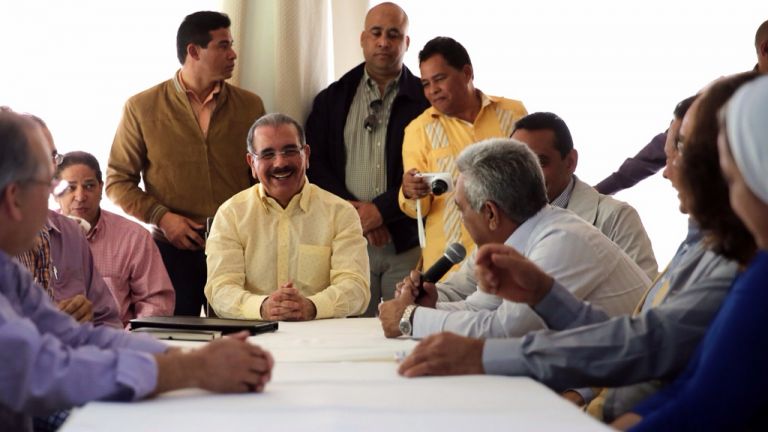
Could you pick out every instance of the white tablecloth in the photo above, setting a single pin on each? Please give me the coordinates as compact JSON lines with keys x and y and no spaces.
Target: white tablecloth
{"x":341,"y":375}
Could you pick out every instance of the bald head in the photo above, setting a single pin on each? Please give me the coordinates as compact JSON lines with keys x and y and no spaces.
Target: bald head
{"x":384,"y":41}
{"x":388,"y":9}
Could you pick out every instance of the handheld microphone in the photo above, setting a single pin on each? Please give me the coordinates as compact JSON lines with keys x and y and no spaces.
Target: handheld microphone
{"x":453,"y":254}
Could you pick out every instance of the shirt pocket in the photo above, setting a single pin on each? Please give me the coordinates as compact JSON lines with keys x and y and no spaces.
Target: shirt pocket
{"x":314,"y":267}
{"x":68,"y":281}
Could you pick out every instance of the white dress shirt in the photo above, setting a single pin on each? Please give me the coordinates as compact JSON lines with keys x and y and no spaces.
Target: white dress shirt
{"x":564,"y":246}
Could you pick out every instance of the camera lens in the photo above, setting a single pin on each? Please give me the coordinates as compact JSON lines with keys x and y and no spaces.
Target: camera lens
{"x":439,"y":187}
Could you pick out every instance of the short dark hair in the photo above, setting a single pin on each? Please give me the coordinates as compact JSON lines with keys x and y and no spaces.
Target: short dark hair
{"x":549,"y":121}
{"x":682,"y":107}
{"x":17,"y":161}
{"x":704,"y":187}
{"x":453,"y":52}
{"x":196,"y":29}
{"x":274,"y":120}
{"x":79,"y":158}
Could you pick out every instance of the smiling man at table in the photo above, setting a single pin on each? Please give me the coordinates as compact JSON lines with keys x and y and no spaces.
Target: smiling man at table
{"x":285,"y":249}
{"x":49,"y":362}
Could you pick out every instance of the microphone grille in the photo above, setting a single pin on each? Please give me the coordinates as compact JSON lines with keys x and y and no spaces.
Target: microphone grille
{"x":455,"y":252}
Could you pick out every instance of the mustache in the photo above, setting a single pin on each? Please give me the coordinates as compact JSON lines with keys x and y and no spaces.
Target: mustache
{"x":283,"y":170}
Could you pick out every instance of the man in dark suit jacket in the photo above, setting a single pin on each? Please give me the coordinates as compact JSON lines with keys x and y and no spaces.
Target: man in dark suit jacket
{"x":356,"y":132}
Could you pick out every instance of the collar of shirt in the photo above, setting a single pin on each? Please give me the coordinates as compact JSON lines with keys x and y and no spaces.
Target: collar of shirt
{"x":98,"y":228}
{"x":192,"y":95}
{"x":519,"y":238}
{"x":694,"y":233}
{"x":302,"y":198}
{"x":391,"y":86}
{"x":51,"y":224}
{"x":485,"y":102}
{"x":564,"y":198}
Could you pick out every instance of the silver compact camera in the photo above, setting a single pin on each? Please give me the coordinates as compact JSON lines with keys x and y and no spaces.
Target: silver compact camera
{"x":439,"y":183}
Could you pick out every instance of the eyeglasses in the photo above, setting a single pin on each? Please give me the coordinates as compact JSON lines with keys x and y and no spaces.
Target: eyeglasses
{"x":58,"y":158}
{"x":372,"y":120}
{"x":288,"y":152}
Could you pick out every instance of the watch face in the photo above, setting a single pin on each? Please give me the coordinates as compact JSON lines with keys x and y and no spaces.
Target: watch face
{"x":405,"y":327}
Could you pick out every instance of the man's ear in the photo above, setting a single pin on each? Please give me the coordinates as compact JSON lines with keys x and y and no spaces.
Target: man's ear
{"x":491,"y":212}
{"x":250,"y":160}
{"x":468,"y":72}
{"x":571,"y":160}
{"x":10,"y":205}
{"x":193,"y":51}
{"x":762,"y":52}
{"x":307,"y":152}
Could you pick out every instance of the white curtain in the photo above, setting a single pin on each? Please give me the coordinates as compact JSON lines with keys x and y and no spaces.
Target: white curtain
{"x":289,"y":50}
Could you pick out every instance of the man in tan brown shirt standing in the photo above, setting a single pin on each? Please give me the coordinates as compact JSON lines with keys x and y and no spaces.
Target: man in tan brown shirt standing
{"x":184,"y":138}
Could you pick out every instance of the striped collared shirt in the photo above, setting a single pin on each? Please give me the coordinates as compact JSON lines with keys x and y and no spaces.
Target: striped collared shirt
{"x":38,"y":260}
{"x":365,"y":136}
{"x":564,"y":198}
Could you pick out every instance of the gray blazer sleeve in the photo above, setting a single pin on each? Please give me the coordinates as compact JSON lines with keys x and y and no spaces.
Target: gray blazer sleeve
{"x":561,"y":310}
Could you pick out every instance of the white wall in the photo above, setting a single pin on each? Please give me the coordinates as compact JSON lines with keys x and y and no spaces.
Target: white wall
{"x":74,"y":63}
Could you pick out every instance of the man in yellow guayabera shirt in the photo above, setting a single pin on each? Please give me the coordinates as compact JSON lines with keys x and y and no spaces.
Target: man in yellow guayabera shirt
{"x":460,"y":115}
{"x":285,"y":249}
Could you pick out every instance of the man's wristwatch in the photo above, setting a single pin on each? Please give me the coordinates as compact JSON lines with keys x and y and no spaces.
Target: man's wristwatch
{"x":406,"y":322}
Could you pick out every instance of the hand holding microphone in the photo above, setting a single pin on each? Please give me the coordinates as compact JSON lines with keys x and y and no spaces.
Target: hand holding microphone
{"x":454,"y":254}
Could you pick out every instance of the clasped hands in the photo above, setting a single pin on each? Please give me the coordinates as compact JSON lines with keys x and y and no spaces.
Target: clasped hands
{"x":288,"y":304}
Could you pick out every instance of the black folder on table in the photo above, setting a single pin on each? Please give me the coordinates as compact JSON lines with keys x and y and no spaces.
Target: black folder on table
{"x":225,"y":326}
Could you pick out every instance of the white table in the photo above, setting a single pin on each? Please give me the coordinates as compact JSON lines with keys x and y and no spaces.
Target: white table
{"x":341,"y":375}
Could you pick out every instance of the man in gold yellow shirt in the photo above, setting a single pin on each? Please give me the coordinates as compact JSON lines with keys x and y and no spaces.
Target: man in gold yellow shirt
{"x":460,"y":115}
{"x":285,"y":249}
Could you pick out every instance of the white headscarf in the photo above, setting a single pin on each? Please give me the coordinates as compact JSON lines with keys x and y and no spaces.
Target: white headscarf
{"x":747,"y":128}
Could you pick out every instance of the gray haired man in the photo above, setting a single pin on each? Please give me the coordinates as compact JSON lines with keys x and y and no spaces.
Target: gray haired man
{"x":501,"y":196}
